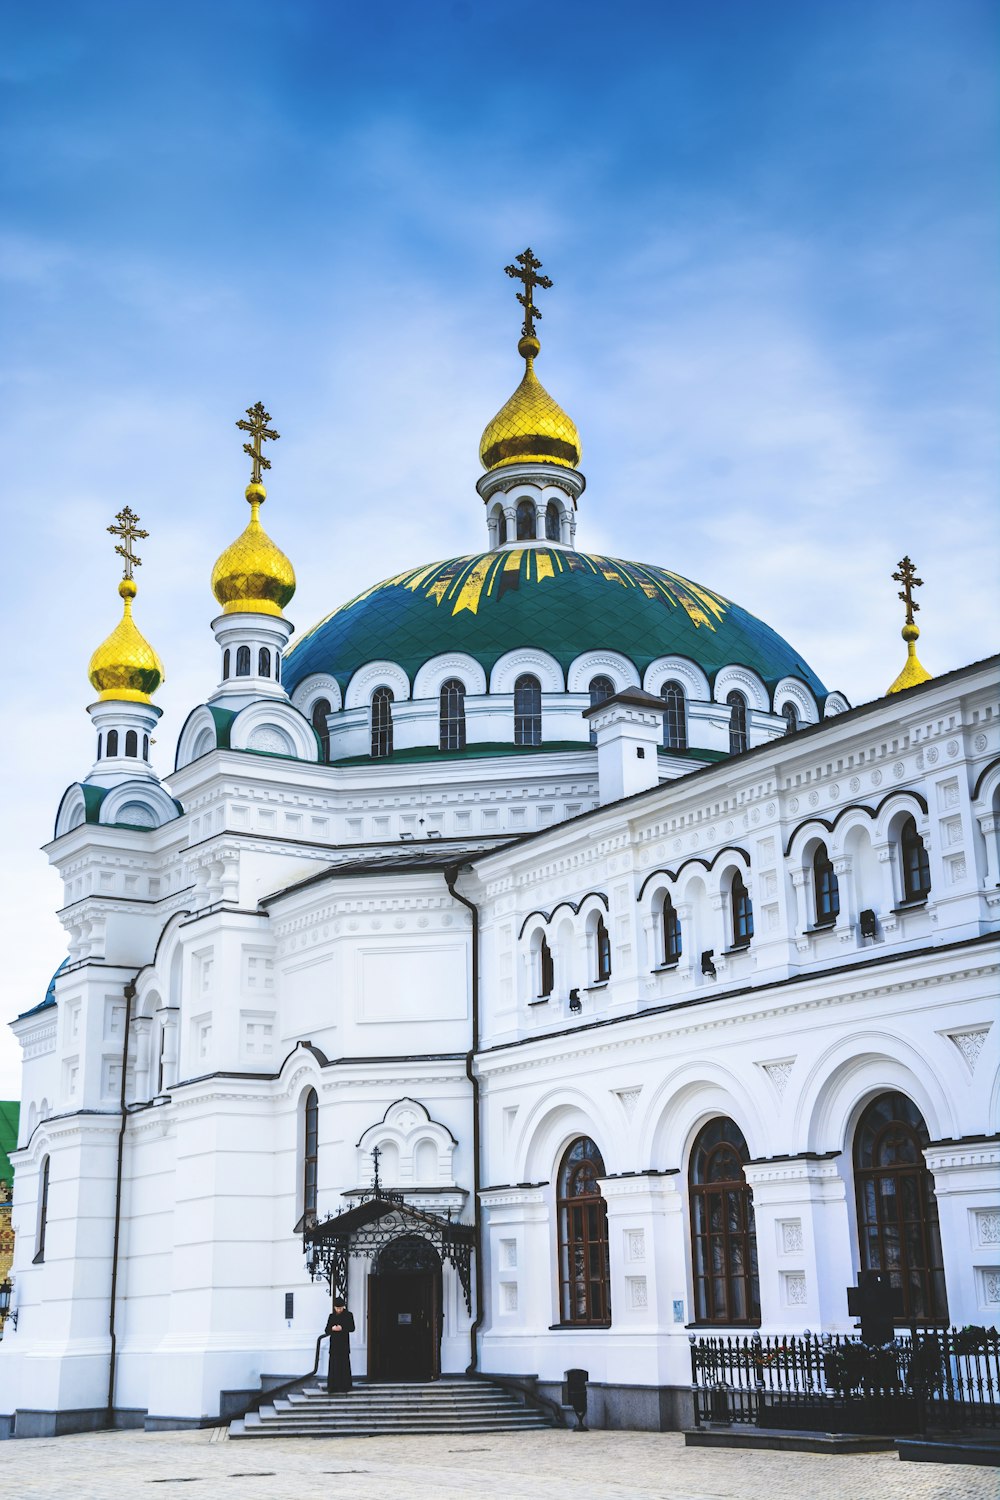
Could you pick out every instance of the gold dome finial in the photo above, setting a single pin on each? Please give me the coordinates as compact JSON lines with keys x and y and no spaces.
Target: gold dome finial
{"x":253,"y":576}
{"x":913,"y":671}
{"x":125,"y":666}
{"x":531,"y":427}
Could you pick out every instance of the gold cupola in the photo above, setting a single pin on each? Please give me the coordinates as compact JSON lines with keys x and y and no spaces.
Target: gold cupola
{"x":530,"y":428}
{"x":125,"y":667}
{"x":253,"y":575}
{"x":914,"y":671}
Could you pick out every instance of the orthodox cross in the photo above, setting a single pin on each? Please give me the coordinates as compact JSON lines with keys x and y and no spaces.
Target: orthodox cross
{"x":907,"y":576}
{"x":128,"y":530}
{"x":524,"y":271}
{"x":376,"y":1185}
{"x":259,"y":432}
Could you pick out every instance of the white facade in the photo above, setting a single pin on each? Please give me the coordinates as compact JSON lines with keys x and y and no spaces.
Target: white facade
{"x":260,"y":952}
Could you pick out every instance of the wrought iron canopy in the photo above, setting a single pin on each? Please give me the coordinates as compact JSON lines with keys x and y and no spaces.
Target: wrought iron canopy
{"x":368,"y":1227}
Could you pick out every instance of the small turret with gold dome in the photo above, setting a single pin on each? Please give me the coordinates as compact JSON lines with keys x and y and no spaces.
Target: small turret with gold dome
{"x":253,"y":575}
{"x":125,"y":667}
{"x":531,"y":448}
{"x":253,"y":580}
{"x":914,"y":671}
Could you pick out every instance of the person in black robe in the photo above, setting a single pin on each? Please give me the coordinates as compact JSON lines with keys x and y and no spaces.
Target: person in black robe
{"x":340,"y":1326}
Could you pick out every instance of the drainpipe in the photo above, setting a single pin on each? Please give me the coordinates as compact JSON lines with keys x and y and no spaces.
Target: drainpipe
{"x":129,"y":997}
{"x":450,"y":877}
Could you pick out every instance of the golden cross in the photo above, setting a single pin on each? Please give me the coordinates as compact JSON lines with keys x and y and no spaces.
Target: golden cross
{"x":524,"y":271}
{"x":128,"y":530}
{"x":260,"y":432}
{"x":907,"y":576}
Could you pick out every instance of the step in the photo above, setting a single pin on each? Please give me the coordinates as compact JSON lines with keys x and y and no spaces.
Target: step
{"x":446,"y":1406}
{"x":238,"y":1430}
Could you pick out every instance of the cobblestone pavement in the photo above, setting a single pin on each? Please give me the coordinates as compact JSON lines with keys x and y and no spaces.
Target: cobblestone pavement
{"x":522,"y":1466}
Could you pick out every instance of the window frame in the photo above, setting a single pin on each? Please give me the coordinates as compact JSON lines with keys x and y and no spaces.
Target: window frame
{"x":527,"y":722}
{"x":322,"y":728}
{"x":451,"y":720}
{"x":674,"y":715}
{"x":601,"y":679}
{"x":826,"y":888}
{"x":671,"y":936}
{"x":380,"y":721}
{"x":310,"y":1156}
{"x":602,"y":951}
{"x":709,"y":1223}
{"x":739,"y":738}
{"x":243,"y":661}
{"x":584,"y":1280}
{"x":263,"y":662}
{"x":791,"y":716}
{"x":526,"y":510}
{"x":42,"y":1219}
{"x":740,"y":911}
{"x":914,"y":862}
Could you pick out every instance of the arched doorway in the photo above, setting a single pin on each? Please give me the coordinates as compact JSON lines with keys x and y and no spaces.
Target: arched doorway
{"x":405,"y":1311}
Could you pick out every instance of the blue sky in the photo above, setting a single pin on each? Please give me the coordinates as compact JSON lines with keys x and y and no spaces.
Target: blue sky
{"x":773,"y":232}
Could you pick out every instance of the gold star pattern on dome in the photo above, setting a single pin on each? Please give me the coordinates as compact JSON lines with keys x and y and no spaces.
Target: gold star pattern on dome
{"x":914,"y":672}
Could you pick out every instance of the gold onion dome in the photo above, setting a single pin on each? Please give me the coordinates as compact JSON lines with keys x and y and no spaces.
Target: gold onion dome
{"x":253,"y":576}
{"x":125,"y":666}
{"x":531,"y":428}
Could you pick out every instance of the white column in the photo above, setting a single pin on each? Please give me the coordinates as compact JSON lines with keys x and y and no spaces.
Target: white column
{"x":647,"y":1259}
{"x":988,"y":825}
{"x":805,"y":1254}
{"x":848,"y":916}
{"x":967,"y":1188}
{"x":142,"y":1028}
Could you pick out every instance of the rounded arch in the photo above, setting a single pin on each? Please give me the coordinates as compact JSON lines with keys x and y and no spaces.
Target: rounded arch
{"x":199,"y":736}
{"x":895,"y":808}
{"x":554,"y":1120}
{"x":376,"y":674}
{"x":741,"y":679}
{"x":320,"y":685}
{"x":686,"y":1098}
{"x":274,"y":727}
{"x":611,"y":664}
{"x":835,"y":704}
{"x":849,"y":1073}
{"x":71,"y":812}
{"x":677,"y":669}
{"x":434,"y":673}
{"x":791,"y":690}
{"x":143,"y":803}
{"x":526,"y":660}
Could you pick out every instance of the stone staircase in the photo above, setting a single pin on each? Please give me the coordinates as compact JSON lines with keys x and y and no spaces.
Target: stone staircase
{"x":449,"y":1405}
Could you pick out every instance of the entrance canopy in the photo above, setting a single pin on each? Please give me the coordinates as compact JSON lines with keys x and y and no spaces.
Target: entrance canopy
{"x":371,"y":1225}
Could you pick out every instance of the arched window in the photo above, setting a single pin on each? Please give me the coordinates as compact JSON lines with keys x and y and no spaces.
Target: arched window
{"x":452,"y":715}
{"x":742,"y":912}
{"x":602,"y":952}
{"x":131,"y":742}
{"x":381,"y":716}
{"x":310,"y":1155}
{"x":723,"y":1238}
{"x":277,"y":666}
{"x":100,"y":746}
{"x":601,"y":689}
{"x":501,"y":527}
{"x":738,"y":741}
{"x":526,"y":520}
{"x":43,"y":1211}
{"x":584,"y":1290}
{"x":675,"y":732}
{"x":320,"y":711}
{"x":112,"y":742}
{"x":226,"y":658}
{"x":673,"y":946}
{"x":243,"y":661}
{"x":916,"y":867}
{"x":145,"y":747}
{"x":790,"y":714}
{"x":552,"y":522}
{"x":263,"y":662}
{"x":897,"y":1209}
{"x":546,"y":970}
{"x":527,"y":711}
{"x":826,"y":888}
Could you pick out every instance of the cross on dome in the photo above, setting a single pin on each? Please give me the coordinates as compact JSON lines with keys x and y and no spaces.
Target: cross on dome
{"x":906,"y":574}
{"x":260,"y":432}
{"x":129,"y":531}
{"x":524,"y":271}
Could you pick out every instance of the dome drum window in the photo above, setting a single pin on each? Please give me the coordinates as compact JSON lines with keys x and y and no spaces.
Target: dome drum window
{"x":320,"y":722}
{"x":790,"y":714}
{"x":674,"y":716}
{"x":601,"y":689}
{"x":738,"y":737}
{"x":526,"y":520}
{"x":527,"y":710}
{"x":381,"y":722}
{"x":451,"y":727}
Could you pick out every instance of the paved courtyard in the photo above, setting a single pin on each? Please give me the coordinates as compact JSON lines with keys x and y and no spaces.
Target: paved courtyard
{"x":552,"y":1465}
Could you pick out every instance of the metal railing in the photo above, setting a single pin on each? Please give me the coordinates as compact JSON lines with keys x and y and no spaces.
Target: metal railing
{"x":930,"y":1379}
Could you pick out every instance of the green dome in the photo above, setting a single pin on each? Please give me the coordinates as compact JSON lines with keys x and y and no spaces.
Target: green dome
{"x":558,"y":601}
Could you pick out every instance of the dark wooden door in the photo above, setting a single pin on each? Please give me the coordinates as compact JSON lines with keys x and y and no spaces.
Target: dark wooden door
{"x":404,"y":1326}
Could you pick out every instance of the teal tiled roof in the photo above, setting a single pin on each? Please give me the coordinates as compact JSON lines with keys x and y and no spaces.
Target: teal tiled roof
{"x":558,"y":601}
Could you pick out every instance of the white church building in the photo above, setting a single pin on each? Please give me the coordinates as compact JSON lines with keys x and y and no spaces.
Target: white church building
{"x":656,"y":982}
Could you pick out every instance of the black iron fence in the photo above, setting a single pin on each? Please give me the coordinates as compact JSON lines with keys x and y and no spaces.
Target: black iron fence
{"x":928,"y":1380}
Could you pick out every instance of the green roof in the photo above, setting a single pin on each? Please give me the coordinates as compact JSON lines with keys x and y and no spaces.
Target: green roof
{"x":562,"y":602}
{"x":9,"y":1113}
